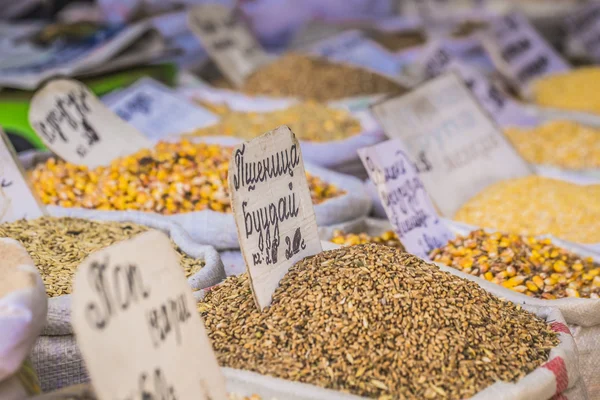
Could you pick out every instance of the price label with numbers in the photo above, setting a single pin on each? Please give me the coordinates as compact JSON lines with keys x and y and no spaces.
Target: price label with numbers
{"x":438,"y":59}
{"x":227,"y":40}
{"x":273,"y":209}
{"x":520,"y":53}
{"x":135,"y":320}
{"x":404,"y":198}
{"x":17,"y":199}
{"x":157,"y":111}
{"x":584,"y":26}
{"x":457,"y":149}
{"x":76,"y":126}
{"x":354,"y":48}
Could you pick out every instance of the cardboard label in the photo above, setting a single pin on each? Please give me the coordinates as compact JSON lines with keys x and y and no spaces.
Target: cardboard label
{"x":227,"y":40}
{"x":136,"y":324}
{"x":457,"y":149}
{"x":520,"y":52}
{"x":157,"y":111}
{"x":404,"y":198}
{"x":354,"y":48}
{"x":584,"y":26}
{"x":506,"y":112}
{"x":273,"y":209}
{"x":76,"y":126}
{"x":17,"y":199}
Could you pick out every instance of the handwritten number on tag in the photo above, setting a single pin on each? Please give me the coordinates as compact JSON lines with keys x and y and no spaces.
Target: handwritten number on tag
{"x":422,"y":164}
{"x":161,"y":390}
{"x":294,"y":246}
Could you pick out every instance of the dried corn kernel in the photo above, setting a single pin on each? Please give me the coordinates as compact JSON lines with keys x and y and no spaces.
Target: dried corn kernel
{"x":152,"y":180}
{"x":535,"y":276}
{"x":576,"y":90}
{"x":388,"y":238}
{"x":565,"y":144}
{"x":309,"y":120}
{"x":536,"y":205}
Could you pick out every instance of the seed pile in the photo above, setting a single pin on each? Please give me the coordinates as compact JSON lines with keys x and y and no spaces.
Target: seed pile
{"x":297,"y":75}
{"x":387,"y":238}
{"x":167,"y":179}
{"x":527,"y":265}
{"x":374,"y":321}
{"x":577,"y":90}
{"x":308,"y":120}
{"x":536,"y":205}
{"x":395,"y":41}
{"x":59,"y":245}
{"x":565,"y":144}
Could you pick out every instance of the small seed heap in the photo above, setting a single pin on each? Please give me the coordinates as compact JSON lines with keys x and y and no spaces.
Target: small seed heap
{"x":297,"y":75}
{"x":59,"y":245}
{"x":309,"y":120}
{"x":387,"y":238}
{"x":576,"y":90}
{"x":377,"y":322}
{"x":536,"y":205}
{"x":565,"y":144}
{"x":395,"y":41}
{"x":168,"y":179}
{"x":528,"y":265}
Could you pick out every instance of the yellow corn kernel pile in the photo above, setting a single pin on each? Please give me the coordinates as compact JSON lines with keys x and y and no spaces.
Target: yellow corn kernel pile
{"x":535,"y":267}
{"x":577,"y":90}
{"x":536,"y":205}
{"x":167,"y":179}
{"x":388,"y":238}
{"x":308,"y":120}
{"x":565,"y":144}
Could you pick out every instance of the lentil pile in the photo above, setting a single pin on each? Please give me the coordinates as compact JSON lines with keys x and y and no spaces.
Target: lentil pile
{"x":577,"y":90}
{"x":565,"y":144}
{"x":535,"y":267}
{"x":309,"y":120}
{"x":374,"y":321}
{"x":297,"y":75}
{"x":59,"y":245}
{"x":167,"y":179}
{"x":387,"y":238}
{"x":535,"y":205}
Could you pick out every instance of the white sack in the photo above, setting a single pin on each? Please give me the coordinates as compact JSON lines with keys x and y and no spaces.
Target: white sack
{"x":582,"y":315}
{"x":216,"y":228}
{"x":56,"y":356}
{"x":22,"y":316}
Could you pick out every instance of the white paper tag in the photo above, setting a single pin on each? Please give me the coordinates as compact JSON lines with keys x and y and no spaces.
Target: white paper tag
{"x":404,"y":198}
{"x":136,"y":324}
{"x":354,"y":48}
{"x":17,"y":199}
{"x":520,"y":52}
{"x":227,"y":40}
{"x":273,"y":209}
{"x":76,"y":126}
{"x":438,"y":59}
{"x":157,"y":111}
{"x":457,"y":149}
{"x":584,"y":26}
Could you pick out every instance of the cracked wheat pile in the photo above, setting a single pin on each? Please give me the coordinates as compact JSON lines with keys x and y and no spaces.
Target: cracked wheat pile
{"x":57,"y":246}
{"x":374,"y":321}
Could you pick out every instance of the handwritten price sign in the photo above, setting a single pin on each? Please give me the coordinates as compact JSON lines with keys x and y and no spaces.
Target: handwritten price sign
{"x":136,"y":324}
{"x":404,"y":198}
{"x":273,"y":209}
{"x":75,"y":125}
